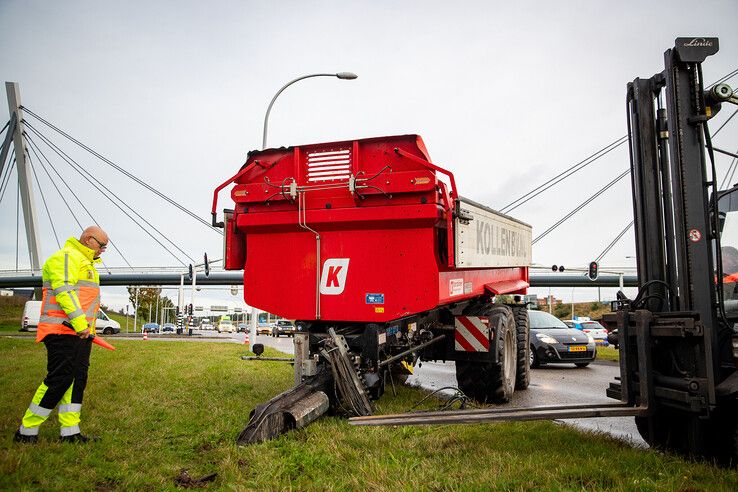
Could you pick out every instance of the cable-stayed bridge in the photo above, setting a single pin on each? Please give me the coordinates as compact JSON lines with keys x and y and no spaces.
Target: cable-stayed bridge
{"x":36,"y":156}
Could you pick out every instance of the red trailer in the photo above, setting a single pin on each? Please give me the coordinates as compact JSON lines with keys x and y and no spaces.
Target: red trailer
{"x":364,"y":237}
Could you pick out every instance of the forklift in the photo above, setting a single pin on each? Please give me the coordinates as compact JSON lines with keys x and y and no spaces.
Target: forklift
{"x":678,"y":337}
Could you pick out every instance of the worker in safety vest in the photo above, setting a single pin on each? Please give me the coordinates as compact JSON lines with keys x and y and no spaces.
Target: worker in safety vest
{"x":71,"y":297}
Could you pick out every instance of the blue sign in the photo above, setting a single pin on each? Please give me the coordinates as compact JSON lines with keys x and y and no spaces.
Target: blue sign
{"x":375,"y":298}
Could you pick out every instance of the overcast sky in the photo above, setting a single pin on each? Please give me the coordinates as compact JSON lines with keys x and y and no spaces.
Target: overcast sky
{"x":504,"y":95}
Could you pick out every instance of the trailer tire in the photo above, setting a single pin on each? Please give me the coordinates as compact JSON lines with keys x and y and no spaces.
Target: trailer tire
{"x":487,"y":381}
{"x":522,"y":332}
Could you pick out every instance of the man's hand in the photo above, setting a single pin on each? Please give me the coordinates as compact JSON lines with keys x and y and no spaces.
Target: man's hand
{"x":84,"y":333}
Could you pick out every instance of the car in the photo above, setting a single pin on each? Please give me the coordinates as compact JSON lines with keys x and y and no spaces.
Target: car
{"x":613,"y":338}
{"x":31,"y":315}
{"x":225,"y":325}
{"x":264,"y":329}
{"x":242,"y":327}
{"x":552,"y":341}
{"x":168,"y":328}
{"x":151,"y":328}
{"x":105,"y":325}
{"x":283,"y":327}
{"x":592,"y":328}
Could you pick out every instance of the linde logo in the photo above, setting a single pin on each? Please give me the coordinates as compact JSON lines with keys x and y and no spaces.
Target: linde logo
{"x":333,"y":276}
{"x":500,"y":241}
{"x":699,"y":42}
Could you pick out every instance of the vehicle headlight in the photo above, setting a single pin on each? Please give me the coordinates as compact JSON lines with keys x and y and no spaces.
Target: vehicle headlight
{"x":546,"y":338}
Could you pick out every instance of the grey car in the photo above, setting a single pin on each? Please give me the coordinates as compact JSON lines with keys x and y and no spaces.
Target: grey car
{"x":551,"y":341}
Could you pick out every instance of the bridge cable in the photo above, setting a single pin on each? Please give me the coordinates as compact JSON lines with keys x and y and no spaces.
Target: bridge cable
{"x":583,"y":163}
{"x":5,"y":127}
{"x":724,"y":78}
{"x":87,"y":176}
{"x":43,"y":199}
{"x":622,"y":233}
{"x":581,"y":206}
{"x":563,"y":175}
{"x":61,"y":195}
{"x":36,"y":149}
{"x":614,"y":241}
{"x":6,"y":177}
{"x":33,"y":143}
{"x":123,"y":171}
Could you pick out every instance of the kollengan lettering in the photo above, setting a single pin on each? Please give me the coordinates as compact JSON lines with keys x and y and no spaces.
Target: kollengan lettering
{"x":500,"y":241}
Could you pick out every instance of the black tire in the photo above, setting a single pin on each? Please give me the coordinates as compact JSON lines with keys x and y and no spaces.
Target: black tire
{"x":581,"y":364}
{"x":487,"y":381}
{"x":522,"y":332}
{"x":534,"y":362}
{"x":676,"y":432}
{"x":108,"y":331}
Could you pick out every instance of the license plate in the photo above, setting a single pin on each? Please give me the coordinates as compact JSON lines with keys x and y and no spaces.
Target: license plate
{"x":577,"y":348}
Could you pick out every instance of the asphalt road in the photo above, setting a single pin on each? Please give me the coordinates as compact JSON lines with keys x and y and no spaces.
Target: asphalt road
{"x":552,"y":384}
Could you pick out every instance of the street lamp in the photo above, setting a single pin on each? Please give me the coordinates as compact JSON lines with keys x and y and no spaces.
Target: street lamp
{"x":340,"y":75}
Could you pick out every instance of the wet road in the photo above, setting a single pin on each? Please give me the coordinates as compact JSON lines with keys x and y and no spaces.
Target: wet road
{"x":552,"y":385}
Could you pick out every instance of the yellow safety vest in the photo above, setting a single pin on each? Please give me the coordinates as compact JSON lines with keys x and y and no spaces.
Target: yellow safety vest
{"x":71,"y":291}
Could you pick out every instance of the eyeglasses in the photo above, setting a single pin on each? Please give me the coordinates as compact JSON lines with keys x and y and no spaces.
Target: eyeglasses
{"x":102,"y":245}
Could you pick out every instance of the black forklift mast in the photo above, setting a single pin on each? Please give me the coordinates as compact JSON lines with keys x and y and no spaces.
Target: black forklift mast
{"x":674,"y":334}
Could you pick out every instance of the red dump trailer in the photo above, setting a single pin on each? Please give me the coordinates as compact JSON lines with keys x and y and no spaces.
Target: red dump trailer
{"x":369,"y":240}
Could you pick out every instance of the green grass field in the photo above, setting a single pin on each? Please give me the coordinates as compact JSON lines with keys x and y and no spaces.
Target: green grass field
{"x":608,"y":353}
{"x":161,"y":407}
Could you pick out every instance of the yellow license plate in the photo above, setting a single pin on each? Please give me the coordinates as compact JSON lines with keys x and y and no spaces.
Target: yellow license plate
{"x":577,"y":348}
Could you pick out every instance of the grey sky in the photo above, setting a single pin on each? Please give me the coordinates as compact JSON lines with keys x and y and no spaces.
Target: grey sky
{"x":504,"y":95}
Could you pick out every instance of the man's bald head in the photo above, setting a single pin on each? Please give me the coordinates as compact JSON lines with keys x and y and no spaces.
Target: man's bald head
{"x":94,"y":238}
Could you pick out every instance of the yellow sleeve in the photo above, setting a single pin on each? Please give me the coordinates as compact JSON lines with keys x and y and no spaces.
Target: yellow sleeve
{"x":62,"y":272}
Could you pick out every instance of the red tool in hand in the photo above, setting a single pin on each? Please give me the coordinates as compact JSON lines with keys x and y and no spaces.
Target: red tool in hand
{"x":95,"y":339}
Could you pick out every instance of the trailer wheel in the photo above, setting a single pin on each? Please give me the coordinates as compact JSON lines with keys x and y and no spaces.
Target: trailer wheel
{"x":487,"y":381}
{"x":522,"y":332}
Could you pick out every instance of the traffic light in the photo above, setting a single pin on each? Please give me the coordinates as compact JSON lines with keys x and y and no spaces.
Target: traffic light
{"x":594,"y":270}
{"x":189,"y":309}
{"x":207,"y":266}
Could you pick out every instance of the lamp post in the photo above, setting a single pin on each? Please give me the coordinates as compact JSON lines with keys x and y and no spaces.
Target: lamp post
{"x":340,"y":75}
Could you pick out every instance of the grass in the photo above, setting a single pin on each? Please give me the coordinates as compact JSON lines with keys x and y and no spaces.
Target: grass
{"x":608,"y":353}
{"x":11,"y":310}
{"x":165,"y":406}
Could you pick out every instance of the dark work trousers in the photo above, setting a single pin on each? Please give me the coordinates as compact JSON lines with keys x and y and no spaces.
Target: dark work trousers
{"x":68,"y":361}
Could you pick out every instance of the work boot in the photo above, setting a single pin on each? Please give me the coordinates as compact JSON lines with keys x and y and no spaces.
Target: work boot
{"x":81,"y":438}
{"x":18,"y":437}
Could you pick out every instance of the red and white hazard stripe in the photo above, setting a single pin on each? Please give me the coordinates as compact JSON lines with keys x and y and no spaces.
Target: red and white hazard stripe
{"x":472,"y":333}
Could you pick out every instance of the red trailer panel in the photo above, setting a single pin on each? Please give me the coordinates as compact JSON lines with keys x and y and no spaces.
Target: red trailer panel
{"x":360,"y":231}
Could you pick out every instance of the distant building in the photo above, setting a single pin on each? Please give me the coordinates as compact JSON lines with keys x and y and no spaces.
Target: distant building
{"x":543,"y":301}
{"x":6,"y":293}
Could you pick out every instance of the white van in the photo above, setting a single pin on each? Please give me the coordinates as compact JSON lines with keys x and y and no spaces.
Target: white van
{"x":32,"y":312}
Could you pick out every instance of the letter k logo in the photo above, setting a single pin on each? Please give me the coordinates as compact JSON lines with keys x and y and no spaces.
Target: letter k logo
{"x":333,"y":276}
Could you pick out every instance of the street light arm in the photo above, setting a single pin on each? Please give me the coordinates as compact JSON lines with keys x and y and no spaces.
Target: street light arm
{"x":269,"y":108}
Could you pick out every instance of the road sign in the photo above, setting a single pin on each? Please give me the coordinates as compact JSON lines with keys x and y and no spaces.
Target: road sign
{"x":198,"y":308}
{"x":237,"y":310}
{"x":219,"y":308}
